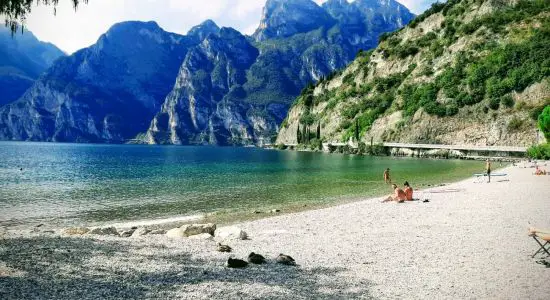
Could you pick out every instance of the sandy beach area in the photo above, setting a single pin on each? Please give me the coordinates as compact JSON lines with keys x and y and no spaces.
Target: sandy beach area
{"x":469,"y":242}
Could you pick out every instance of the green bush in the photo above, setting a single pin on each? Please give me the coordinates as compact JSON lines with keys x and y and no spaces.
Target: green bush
{"x":539,"y":151}
{"x":494,"y":103}
{"x":507,"y":101}
{"x":515,"y":124}
{"x":544,"y":122}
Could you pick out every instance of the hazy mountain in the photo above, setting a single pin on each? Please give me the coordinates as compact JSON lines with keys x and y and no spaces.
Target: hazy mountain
{"x":23,"y":58}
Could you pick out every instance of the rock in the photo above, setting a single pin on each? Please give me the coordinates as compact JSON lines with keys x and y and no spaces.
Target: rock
{"x":104,"y":231}
{"x":224,"y":248}
{"x":236,"y":263}
{"x":76,"y":230}
{"x":285,"y":260}
{"x":127,"y":233}
{"x":158,"y":231}
{"x":256,"y":258}
{"x":230,"y":233}
{"x":140,"y":232}
{"x":274,"y":211}
{"x":202,"y":236}
{"x":175,"y":233}
{"x":195,"y":229}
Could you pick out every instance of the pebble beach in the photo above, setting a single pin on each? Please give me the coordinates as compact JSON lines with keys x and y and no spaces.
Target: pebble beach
{"x":468,"y":242}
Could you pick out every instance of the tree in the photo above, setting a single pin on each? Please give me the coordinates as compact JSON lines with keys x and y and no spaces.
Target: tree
{"x":544,"y":122}
{"x":357,"y":130}
{"x":16,"y":11}
{"x":319,"y":130}
{"x":298,"y":135}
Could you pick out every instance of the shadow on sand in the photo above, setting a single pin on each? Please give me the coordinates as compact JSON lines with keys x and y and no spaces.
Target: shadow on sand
{"x":78,"y":268}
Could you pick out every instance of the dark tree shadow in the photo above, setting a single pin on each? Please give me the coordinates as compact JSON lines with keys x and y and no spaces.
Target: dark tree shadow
{"x":60,"y":268}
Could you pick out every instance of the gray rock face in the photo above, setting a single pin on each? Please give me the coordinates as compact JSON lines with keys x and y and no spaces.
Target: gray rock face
{"x":231,"y":91}
{"x":284,"y":18}
{"x":106,"y":93}
{"x":199,"y":108}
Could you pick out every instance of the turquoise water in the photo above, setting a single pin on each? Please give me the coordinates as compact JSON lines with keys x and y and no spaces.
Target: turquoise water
{"x":77,"y":183}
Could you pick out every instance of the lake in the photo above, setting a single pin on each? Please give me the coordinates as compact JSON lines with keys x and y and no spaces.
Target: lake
{"x":67,"y":184}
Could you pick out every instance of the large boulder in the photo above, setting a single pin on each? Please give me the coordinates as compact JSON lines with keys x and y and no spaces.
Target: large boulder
{"x":175,"y":233}
{"x":230,"y":233}
{"x":195,"y":229}
{"x":76,"y":230}
{"x":202,"y":236}
{"x":141,"y":231}
{"x":104,"y":231}
{"x":191,"y":230}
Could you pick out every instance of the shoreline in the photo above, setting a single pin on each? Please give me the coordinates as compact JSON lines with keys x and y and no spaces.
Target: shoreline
{"x":467,"y":242}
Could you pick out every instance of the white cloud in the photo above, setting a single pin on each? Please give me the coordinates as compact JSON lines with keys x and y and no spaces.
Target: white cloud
{"x":71,"y":30}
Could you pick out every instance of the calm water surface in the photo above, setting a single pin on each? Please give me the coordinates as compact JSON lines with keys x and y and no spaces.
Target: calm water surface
{"x":76,"y":183}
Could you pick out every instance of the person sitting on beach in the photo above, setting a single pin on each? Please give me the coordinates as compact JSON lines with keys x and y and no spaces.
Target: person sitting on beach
{"x":398,"y":195}
{"x":408,"y":191}
{"x":387,"y":178}
{"x":539,"y":171}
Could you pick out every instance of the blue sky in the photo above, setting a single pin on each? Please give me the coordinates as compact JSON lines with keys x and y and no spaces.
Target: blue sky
{"x":70,"y":30}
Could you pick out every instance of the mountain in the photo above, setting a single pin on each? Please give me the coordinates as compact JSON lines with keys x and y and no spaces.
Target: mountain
{"x":211,"y":86}
{"x":108,"y":92}
{"x":23,"y":58}
{"x":199,"y":103}
{"x":464,"y":72}
{"x":297,"y":42}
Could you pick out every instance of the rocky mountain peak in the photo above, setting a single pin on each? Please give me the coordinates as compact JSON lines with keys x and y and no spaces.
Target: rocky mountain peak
{"x":283,"y":18}
{"x":204,"y":29}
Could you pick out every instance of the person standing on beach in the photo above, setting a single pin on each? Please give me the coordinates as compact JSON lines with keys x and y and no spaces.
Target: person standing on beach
{"x":488,"y":169}
{"x":387,"y":178}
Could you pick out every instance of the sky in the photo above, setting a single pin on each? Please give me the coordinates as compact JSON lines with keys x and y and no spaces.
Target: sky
{"x":71,"y":31}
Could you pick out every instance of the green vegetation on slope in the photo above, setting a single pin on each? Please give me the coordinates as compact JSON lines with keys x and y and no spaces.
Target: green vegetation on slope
{"x":507,"y":51}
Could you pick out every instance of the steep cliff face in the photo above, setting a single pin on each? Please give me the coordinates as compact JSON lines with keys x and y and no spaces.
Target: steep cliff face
{"x":106,"y":93}
{"x":297,"y":42}
{"x":199,"y":109}
{"x":465,"y":72}
{"x":23,"y":58}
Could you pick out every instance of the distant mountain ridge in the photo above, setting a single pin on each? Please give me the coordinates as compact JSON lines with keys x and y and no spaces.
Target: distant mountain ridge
{"x":211,"y":86}
{"x":23,"y":58}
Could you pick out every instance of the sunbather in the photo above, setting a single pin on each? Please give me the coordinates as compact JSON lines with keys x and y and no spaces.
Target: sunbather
{"x":539,"y":171}
{"x":408,"y":191}
{"x":398,"y":195}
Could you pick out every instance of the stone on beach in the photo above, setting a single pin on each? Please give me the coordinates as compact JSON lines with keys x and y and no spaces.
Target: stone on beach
{"x":104,"y":231}
{"x":202,"y":236}
{"x":141,"y":231}
{"x":191,"y":230}
{"x":76,"y":230}
{"x":285,"y":260}
{"x":230,"y":233}
{"x":195,"y":229}
{"x":236,"y":263}
{"x":127,"y":233}
{"x":256,"y":258}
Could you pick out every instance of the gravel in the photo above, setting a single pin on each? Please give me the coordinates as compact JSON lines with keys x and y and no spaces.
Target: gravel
{"x":469,"y":241}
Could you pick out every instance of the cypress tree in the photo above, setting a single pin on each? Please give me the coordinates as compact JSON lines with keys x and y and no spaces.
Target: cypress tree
{"x":356,"y":130}
{"x":319,"y":130}
{"x":298,"y":135}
